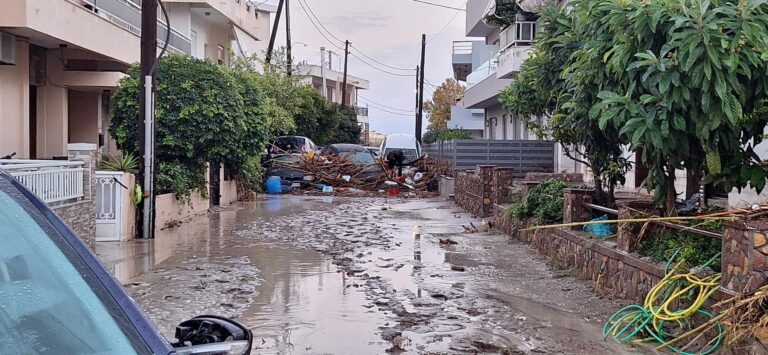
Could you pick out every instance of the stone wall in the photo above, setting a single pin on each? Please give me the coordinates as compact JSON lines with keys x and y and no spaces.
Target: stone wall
{"x":468,"y":192}
{"x":745,"y":255}
{"x":80,"y":217}
{"x":615,"y":273}
{"x":478,"y":191}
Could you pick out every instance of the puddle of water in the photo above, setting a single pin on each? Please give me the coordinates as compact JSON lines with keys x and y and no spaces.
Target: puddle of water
{"x":292,"y":299}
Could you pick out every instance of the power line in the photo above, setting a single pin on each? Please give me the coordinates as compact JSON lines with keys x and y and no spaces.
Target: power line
{"x":448,"y":23}
{"x":386,"y":65}
{"x":392,"y":112}
{"x":439,"y":5}
{"x":382,"y":105}
{"x":313,"y":18}
{"x":379,"y":69}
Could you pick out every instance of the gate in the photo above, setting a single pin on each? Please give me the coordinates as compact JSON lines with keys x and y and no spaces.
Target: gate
{"x":110,"y":199}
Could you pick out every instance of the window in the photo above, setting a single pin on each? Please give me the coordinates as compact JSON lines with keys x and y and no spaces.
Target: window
{"x":220,"y":55}
{"x":329,"y":93}
{"x":49,"y":299}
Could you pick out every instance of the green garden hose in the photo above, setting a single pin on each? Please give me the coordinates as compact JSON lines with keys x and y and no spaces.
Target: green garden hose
{"x":648,"y":320}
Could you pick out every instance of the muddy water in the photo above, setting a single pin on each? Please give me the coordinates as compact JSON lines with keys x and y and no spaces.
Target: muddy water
{"x":361,"y":276}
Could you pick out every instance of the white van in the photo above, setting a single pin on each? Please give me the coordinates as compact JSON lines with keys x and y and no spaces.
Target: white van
{"x":404,"y":142}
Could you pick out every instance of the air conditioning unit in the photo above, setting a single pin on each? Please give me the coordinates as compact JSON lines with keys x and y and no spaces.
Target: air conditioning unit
{"x":7,"y":49}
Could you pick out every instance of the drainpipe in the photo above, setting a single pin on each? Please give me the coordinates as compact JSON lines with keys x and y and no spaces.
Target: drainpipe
{"x":148,"y":158}
{"x":323,"y":89}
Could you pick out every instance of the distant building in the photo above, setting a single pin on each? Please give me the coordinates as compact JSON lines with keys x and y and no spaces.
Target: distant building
{"x":328,"y":79}
{"x":489,"y":65}
{"x":61,"y":59}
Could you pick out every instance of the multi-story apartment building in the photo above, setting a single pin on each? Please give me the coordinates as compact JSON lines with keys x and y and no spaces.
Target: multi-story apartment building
{"x":328,"y":79}
{"x":488,"y":66}
{"x":61,"y":58}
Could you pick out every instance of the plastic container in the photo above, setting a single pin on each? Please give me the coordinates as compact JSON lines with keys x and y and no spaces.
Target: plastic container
{"x":393,"y":192}
{"x":327,"y":189}
{"x":274,"y":186}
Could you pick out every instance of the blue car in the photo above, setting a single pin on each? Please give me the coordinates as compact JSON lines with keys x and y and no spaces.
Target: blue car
{"x":57,"y":298}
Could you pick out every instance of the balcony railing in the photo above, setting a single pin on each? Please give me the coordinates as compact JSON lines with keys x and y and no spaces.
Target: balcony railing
{"x":521,"y":33}
{"x":462,"y":47}
{"x":50,"y":180}
{"x":127,"y":15}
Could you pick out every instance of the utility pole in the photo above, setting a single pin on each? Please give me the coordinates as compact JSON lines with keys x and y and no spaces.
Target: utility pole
{"x":416,"y":107}
{"x":274,"y":33}
{"x":344,"y":82}
{"x":146,"y":112}
{"x":421,"y":88}
{"x":323,"y":89}
{"x":289,"y":63}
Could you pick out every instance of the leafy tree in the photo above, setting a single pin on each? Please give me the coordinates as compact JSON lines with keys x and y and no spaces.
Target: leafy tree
{"x":683,"y":80}
{"x":439,"y":107}
{"x":204,"y":113}
{"x":545,"y":89}
{"x":445,"y":135}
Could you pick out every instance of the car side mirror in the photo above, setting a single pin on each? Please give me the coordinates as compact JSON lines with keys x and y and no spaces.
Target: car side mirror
{"x":211,"y":335}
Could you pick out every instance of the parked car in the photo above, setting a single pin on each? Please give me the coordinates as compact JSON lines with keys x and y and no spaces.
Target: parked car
{"x":57,"y":298}
{"x":374,"y":150}
{"x":281,"y":166}
{"x":406,"y":143}
{"x":359,"y":155}
{"x":291,"y":144}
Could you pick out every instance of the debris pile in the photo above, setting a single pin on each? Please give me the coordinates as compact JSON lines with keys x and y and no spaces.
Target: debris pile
{"x":342,"y":174}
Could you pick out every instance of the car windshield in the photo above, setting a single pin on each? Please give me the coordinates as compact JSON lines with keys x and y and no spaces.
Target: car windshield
{"x":287,"y":159}
{"x":288,"y":144}
{"x":410,"y":154}
{"x":360,"y":158}
{"x":50,"y":301}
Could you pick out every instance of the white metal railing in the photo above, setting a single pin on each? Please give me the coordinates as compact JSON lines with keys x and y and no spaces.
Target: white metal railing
{"x":521,"y":33}
{"x":50,"y":180}
{"x":462,"y":47}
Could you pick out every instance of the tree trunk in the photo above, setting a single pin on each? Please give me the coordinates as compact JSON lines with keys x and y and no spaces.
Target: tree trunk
{"x":670,"y":199}
{"x":693,"y":182}
{"x":611,"y":198}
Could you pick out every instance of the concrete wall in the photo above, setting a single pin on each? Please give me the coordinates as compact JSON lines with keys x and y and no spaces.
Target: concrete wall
{"x":228,"y":191}
{"x":170,"y":210}
{"x":211,"y":36}
{"x":14,"y":100}
{"x":52,"y":123}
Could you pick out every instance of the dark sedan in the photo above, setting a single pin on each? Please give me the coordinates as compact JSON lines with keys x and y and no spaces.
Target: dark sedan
{"x":358,"y":155}
{"x":286,"y":168}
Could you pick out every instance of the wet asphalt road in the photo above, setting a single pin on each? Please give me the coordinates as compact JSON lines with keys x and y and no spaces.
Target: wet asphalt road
{"x":324,"y":275}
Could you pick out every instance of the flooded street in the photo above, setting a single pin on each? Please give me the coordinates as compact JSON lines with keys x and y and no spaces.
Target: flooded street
{"x":321,"y":275}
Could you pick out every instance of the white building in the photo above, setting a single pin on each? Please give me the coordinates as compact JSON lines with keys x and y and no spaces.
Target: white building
{"x":328,"y":79}
{"x":488,"y":66}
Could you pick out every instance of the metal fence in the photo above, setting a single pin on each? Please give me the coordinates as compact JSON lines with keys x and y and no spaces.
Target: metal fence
{"x":524,"y":156}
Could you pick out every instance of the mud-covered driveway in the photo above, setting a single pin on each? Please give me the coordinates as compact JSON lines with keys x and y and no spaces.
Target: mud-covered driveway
{"x":322,"y":275}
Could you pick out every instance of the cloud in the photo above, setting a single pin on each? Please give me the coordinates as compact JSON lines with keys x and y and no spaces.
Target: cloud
{"x":359,"y":22}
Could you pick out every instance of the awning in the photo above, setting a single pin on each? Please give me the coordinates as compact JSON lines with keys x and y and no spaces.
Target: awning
{"x":246,"y":44}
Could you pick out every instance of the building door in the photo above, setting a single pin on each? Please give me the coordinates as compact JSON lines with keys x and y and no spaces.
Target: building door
{"x":32,"y":122}
{"x":193,"y":39}
{"x":214,"y":179}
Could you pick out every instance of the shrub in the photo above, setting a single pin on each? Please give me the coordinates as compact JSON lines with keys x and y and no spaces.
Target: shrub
{"x":544,"y":203}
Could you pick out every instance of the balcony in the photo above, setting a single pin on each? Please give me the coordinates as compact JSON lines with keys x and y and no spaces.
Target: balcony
{"x":50,"y":180}
{"x":127,"y":15}
{"x":515,"y":44}
{"x":476,"y":11}
{"x":462,"y":59}
{"x":483,"y":86}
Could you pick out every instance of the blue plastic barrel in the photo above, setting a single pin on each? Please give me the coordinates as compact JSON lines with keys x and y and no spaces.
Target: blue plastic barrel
{"x":274,"y":186}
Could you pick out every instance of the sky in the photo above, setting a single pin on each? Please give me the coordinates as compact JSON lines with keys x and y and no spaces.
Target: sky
{"x":388,"y":31}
